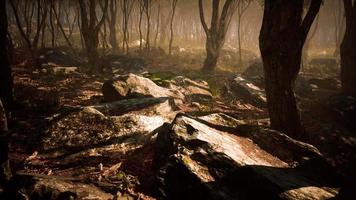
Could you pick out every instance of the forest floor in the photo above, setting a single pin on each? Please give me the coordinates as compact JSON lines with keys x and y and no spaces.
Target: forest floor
{"x":40,"y":96}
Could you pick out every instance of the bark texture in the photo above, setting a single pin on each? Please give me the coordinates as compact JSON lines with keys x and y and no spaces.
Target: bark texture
{"x":282,"y":37}
{"x":347,"y":51}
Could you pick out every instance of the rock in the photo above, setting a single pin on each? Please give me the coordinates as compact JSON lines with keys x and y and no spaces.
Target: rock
{"x":255,"y":74}
{"x":3,"y":119}
{"x":344,"y":109}
{"x":325,"y":83}
{"x":324,"y":66}
{"x":197,"y":159}
{"x":106,"y":124}
{"x":302,"y":86}
{"x":254,"y":70}
{"x":194,"y":91}
{"x":57,"y":57}
{"x":58,"y":70}
{"x":134,"y":86}
{"x":121,"y":64}
{"x":244,"y":90}
{"x":41,"y":187}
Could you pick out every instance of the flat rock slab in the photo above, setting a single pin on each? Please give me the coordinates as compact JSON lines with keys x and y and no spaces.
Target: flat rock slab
{"x":134,"y":86}
{"x":106,"y":124}
{"x":41,"y":187}
{"x":194,"y":91}
{"x":246,"y":91}
{"x":196,"y":160}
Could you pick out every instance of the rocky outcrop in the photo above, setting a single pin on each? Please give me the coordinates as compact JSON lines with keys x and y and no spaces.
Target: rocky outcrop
{"x":201,"y":159}
{"x":255,"y":74}
{"x":194,"y":91}
{"x":324,"y":66}
{"x":326,"y":83}
{"x":181,"y":89}
{"x":244,"y":90}
{"x":134,"y":86}
{"x":58,"y":57}
{"x":344,"y":110}
{"x":105,"y":124}
{"x":41,"y":187}
{"x":121,"y":64}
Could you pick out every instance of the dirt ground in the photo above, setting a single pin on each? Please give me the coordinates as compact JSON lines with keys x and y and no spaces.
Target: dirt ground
{"x":39,"y":96}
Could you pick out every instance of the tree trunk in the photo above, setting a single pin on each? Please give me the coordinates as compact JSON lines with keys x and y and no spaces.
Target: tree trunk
{"x":347,"y":51}
{"x":5,"y":94}
{"x":283,"y":110}
{"x":6,"y":82}
{"x":174,"y":5}
{"x":215,"y":34}
{"x":112,"y":26}
{"x":212,"y":55}
{"x":281,"y":51}
{"x":90,"y":28}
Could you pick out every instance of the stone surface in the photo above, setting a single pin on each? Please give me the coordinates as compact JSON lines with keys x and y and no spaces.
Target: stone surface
{"x":121,"y":64}
{"x":58,"y":57}
{"x":344,"y":108}
{"x":324,"y":66}
{"x":255,"y":74}
{"x":197,"y":159}
{"x":326,"y":83}
{"x":105,"y":124}
{"x":134,"y":86}
{"x":244,"y":90}
{"x":41,"y":187}
{"x":194,"y":91}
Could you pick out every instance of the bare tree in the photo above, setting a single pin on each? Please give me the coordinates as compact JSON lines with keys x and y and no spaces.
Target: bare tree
{"x":112,"y":19}
{"x":126,"y":7}
{"x":90,"y":27}
{"x":147,"y":8}
{"x":215,"y":35}
{"x":59,"y":24}
{"x":281,"y":44}
{"x":157,"y":22}
{"x":242,"y":6}
{"x":140,"y":23}
{"x":42,"y":10}
{"x":174,"y":5}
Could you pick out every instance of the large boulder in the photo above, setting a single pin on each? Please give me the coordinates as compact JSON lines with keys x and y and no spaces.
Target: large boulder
{"x":42,"y":187}
{"x":244,"y":90}
{"x":324,"y":66}
{"x":194,"y":91}
{"x":134,"y":86}
{"x":121,"y":64}
{"x":255,"y":74}
{"x":111,"y":123}
{"x":48,"y":56}
{"x":255,"y":69}
{"x":202,"y":159}
{"x":344,"y":109}
{"x":326,"y":83}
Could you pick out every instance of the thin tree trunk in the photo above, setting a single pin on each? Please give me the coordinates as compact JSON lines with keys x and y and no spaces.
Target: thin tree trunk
{"x":157,"y":22}
{"x":174,"y":5}
{"x":347,"y":51}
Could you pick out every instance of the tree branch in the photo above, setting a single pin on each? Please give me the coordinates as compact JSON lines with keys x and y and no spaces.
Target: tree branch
{"x":309,"y":18}
{"x":202,"y":18}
